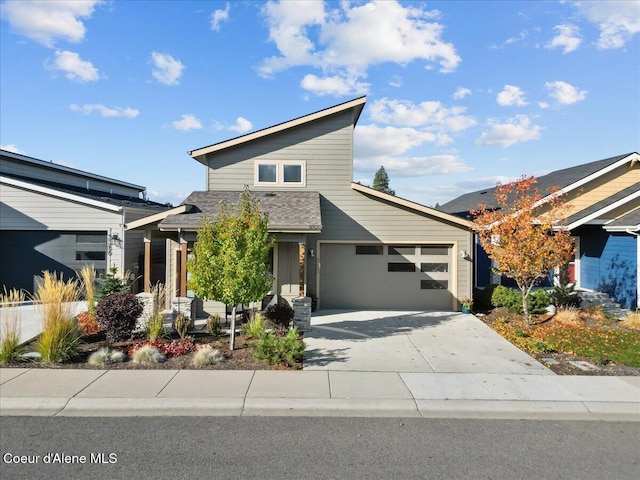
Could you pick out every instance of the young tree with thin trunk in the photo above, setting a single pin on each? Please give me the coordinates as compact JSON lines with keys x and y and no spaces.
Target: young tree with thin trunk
{"x":524,"y":234}
{"x":230,"y":257}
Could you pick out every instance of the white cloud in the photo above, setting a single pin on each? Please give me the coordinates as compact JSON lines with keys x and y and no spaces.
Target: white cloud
{"x":334,"y":85}
{"x":396,"y":81}
{"x":12,"y":148}
{"x":521,"y":36}
{"x":411,"y":166}
{"x":73,"y":67}
{"x":242,"y":125}
{"x":375,"y":141}
{"x":618,"y":21}
{"x":345,"y":41}
{"x":219,"y":16}
{"x":186,"y":123}
{"x":511,"y":96}
{"x":428,"y":115}
{"x":168,"y":70}
{"x":485,"y":182}
{"x":89,"y":108}
{"x":568,"y":38}
{"x":516,"y":130}
{"x":543,"y":105}
{"x":461,"y":92}
{"x":47,"y":21}
{"x":564,"y":93}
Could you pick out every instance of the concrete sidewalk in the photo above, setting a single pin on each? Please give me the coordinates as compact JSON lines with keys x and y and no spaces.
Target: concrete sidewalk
{"x":68,"y":392}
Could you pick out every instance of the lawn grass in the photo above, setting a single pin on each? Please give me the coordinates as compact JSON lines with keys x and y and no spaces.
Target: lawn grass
{"x":601,"y":345}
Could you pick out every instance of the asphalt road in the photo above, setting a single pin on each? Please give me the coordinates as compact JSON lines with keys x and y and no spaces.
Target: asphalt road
{"x":315,"y":448}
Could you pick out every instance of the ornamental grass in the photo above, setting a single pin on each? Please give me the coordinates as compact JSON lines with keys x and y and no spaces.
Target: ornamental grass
{"x":10,"y":349}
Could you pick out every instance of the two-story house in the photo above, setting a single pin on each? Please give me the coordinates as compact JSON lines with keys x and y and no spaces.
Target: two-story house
{"x":347,"y":245}
{"x":603,"y":198}
{"x":57,"y":218}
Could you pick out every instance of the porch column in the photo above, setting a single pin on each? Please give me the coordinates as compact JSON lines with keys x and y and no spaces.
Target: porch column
{"x":147,"y":261}
{"x":302,"y":265}
{"x":183,"y":266}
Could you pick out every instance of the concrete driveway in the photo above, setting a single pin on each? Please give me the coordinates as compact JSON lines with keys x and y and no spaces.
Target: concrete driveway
{"x":393,"y":341}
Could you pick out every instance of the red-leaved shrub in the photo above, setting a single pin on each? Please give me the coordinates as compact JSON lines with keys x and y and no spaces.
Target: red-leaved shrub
{"x":88,"y":323}
{"x":117,"y":314}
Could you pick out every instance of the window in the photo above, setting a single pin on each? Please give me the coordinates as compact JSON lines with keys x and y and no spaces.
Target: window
{"x":434,"y":267}
{"x":267,"y":173}
{"x":369,"y":249}
{"x":280,"y":172}
{"x":99,"y":255}
{"x":435,"y":250}
{"x":401,"y":267}
{"x":91,"y":238}
{"x":434,"y":284}
{"x":402,"y":250}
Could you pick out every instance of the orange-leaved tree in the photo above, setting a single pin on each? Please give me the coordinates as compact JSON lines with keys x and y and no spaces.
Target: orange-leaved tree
{"x":524,"y":233}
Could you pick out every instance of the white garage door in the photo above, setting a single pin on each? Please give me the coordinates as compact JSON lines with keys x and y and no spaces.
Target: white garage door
{"x":405,"y":277}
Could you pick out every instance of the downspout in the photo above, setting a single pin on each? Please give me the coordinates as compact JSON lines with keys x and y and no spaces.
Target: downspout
{"x":637,"y":235}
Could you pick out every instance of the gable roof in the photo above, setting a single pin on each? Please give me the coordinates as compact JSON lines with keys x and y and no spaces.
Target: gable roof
{"x":629,"y":222}
{"x":409,"y":204}
{"x":105,"y":200}
{"x":357,"y":105}
{"x":288,"y":211}
{"x":567,"y":179}
{"x":603,"y":206}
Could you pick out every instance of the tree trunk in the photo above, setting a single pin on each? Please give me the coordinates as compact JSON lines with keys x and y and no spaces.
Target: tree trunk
{"x":525,"y":309}
{"x":232,"y":340}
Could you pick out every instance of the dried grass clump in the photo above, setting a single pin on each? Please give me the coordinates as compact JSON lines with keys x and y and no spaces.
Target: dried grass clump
{"x":60,"y":336}
{"x":568,"y":317}
{"x":632,"y":321}
{"x":148,"y":355}
{"x":105,"y":356}
{"x":10,"y":349}
{"x":595,"y":312}
{"x":88,"y":283}
{"x":205,"y":356}
{"x":154,"y":328}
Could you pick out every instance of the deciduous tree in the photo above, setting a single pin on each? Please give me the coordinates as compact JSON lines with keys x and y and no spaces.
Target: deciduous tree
{"x":524,"y":234}
{"x":230,"y":256}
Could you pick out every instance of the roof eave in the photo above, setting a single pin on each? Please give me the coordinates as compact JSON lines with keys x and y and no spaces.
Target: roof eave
{"x":412,"y":205}
{"x":200,"y":154}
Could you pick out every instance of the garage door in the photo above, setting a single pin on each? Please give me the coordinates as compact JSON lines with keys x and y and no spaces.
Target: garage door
{"x":405,"y":277}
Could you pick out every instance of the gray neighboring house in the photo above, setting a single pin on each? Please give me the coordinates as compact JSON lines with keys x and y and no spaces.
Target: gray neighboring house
{"x":58,"y":218}
{"x":346,"y":245}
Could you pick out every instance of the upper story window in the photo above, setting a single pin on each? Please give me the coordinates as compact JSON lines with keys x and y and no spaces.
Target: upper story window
{"x":280,"y":173}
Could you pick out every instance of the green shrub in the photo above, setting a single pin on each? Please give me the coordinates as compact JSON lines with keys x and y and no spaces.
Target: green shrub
{"x":154,"y":329}
{"x":213,"y":325}
{"x":288,"y":349}
{"x":182,"y":324}
{"x":117,"y":314}
{"x":148,"y":354}
{"x":511,"y":299}
{"x":564,"y":294}
{"x":113,"y":284}
{"x":255,"y":327}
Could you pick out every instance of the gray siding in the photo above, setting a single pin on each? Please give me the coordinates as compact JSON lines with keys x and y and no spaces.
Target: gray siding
{"x":27,"y":210}
{"x":325,"y":145}
{"x":39,"y":172}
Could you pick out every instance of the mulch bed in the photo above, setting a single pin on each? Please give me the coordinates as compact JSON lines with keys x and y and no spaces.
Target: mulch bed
{"x":563,"y":367}
{"x":241,"y":358}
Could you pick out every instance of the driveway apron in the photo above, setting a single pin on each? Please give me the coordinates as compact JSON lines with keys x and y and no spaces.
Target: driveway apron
{"x":396,"y":341}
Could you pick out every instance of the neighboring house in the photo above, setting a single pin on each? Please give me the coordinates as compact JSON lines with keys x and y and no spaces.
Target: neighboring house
{"x":347,"y":245}
{"x":57,"y":218}
{"x":604,"y":198}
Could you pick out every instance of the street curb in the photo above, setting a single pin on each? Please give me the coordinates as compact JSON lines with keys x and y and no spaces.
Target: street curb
{"x":330,"y":407}
{"x":31,"y":406}
{"x":152,"y":407}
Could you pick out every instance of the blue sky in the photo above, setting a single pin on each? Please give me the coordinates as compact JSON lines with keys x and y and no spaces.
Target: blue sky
{"x":460,"y":94}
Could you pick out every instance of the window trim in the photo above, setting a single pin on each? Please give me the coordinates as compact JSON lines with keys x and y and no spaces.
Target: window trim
{"x":280,"y":173}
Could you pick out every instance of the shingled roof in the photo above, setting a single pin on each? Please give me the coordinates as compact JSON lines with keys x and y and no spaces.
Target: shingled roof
{"x":462,"y":205}
{"x":288,"y":211}
{"x":630,"y":221}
